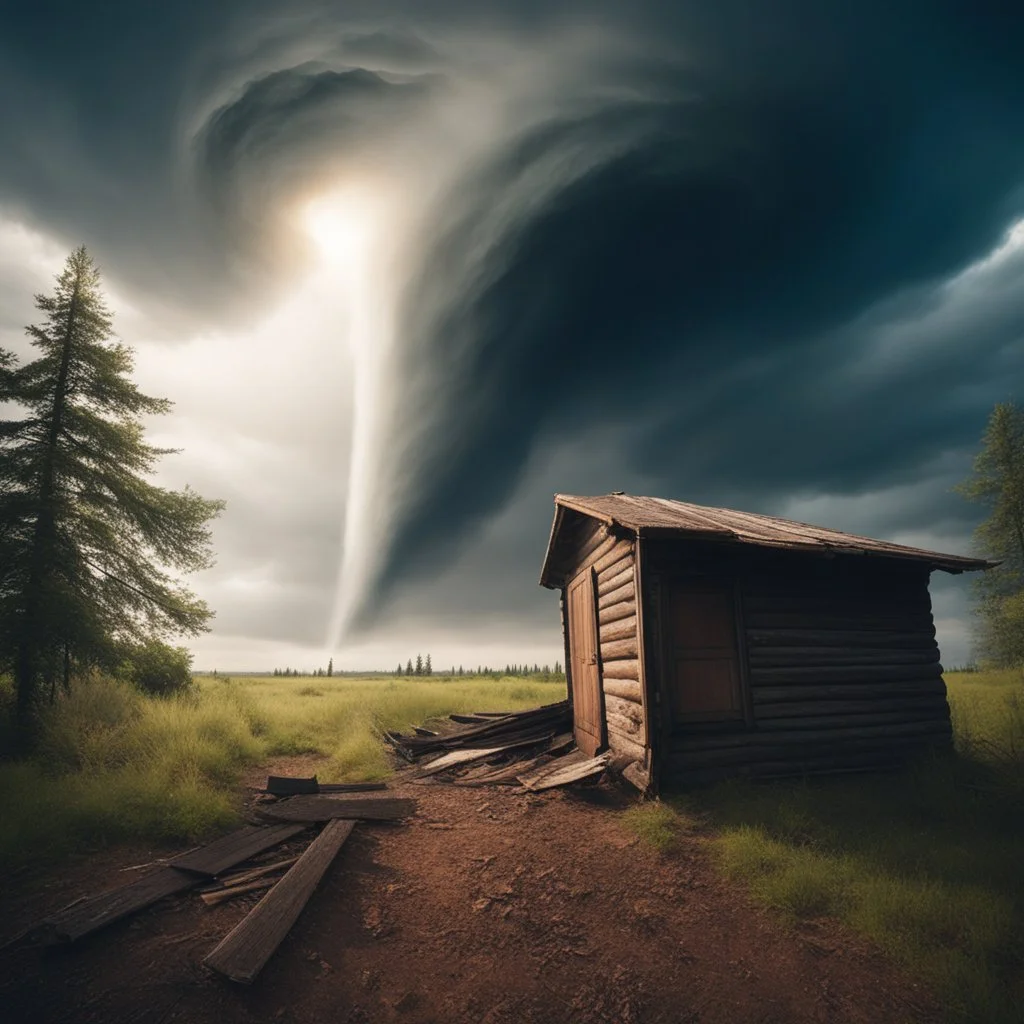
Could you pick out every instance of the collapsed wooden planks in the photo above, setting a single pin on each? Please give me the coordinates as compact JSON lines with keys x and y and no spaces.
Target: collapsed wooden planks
{"x":565,"y":770}
{"x":244,"y":951}
{"x":525,"y":741}
{"x":492,"y":731}
{"x":182,"y":873}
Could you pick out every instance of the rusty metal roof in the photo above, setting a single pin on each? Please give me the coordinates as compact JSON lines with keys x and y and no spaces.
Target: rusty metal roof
{"x":665,"y":517}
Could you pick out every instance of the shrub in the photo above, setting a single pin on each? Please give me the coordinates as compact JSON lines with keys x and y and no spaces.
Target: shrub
{"x":158,"y":669}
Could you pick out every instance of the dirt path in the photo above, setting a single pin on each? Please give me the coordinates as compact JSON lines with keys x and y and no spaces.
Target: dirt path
{"x":490,"y":906}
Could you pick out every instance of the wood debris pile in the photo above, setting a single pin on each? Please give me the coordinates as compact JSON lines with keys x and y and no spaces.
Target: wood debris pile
{"x":533,"y":749}
{"x":291,"y":880}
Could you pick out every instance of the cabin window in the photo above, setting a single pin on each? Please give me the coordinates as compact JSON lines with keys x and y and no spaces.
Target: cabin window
{"x":703,"y":662}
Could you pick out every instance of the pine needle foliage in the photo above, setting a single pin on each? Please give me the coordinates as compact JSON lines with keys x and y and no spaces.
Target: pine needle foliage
{"x":90,"y":548}
{"x":997,"y":482}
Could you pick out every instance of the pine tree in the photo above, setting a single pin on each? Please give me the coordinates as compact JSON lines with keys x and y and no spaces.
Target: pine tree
{"x":399,"y":672}
{"x":330,"y":666}
{"x":87,"y":540}
{"x":408,"y":667}
{"x":998,"y":483}
{"x":427,"y":670}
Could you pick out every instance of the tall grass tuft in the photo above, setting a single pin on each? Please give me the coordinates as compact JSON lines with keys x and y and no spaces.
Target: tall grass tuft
{"x":116,"y":764}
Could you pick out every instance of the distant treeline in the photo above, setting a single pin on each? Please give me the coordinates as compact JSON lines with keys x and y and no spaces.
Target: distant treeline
{"x":424,"y":667}
{"x":420,"y":667}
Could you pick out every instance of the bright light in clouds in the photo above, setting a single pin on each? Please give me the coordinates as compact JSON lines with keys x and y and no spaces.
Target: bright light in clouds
{"x":356,"y":230}
{"x":344,"y":226}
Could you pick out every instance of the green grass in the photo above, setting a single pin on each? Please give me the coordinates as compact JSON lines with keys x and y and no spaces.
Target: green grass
{"x":926,"y":863}
{"x":114,"y":764}
{"x":656,"y":824}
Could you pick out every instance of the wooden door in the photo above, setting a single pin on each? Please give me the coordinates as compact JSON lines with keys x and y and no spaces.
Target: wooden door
{"x":703,"y":660}
{"x":586,"y":682}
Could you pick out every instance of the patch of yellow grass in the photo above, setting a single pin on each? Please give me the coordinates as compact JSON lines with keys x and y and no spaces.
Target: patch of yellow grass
{"x":114,"y":763}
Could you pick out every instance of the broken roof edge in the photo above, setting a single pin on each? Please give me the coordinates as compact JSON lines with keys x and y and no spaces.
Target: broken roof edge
{"x":844,"y":543}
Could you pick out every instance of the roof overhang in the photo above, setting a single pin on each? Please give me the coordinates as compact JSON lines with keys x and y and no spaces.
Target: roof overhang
{"x":710,"y":530}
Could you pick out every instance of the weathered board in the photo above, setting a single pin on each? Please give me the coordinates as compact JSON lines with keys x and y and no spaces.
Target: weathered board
{"x":234,"y":848}
{"x":244,"y":951}
{"x":323,"y":808}
{"x":565,"y":770}
{"x":285,"y":785}
{"x":88,"y":916}
{"x":463,"y":757}
{"x":181,"y":874}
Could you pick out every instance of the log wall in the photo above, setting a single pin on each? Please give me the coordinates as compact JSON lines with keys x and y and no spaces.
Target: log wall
{"x":611,"y":556}
{"x":841,"y":661}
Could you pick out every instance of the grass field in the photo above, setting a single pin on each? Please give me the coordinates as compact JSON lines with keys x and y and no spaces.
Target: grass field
{"x":116,"y":765}
{"x":927,"y":864}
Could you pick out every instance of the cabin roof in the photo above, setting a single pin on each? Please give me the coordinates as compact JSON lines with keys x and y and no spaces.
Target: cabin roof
{"x":664,"y":517}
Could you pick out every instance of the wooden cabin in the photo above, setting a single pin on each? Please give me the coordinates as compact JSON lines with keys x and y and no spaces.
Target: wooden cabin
{"x":702,"y":642}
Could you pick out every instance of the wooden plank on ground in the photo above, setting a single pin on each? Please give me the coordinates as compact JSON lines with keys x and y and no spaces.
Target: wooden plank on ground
{"x":457,"y":757}
{"x":212,"y":899}
{"x":180,"y":874}
{"x":323,"y":808}
{"x":244,"y":951}
{"x":469,"y":755}
{"x":286,"y":785}
{"x":241,"y":877}
{"x":505,"y":773}
{"x":234,"y":848}
{"x":560,"y":774}
{"x":521,"y":738}
{"x":82,"y":918}
{"x":352,"y":787}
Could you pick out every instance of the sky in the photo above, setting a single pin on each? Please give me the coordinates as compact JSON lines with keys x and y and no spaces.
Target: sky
{"x":407,"y":270}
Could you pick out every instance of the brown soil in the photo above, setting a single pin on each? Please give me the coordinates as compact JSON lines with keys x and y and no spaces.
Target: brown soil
{"x":490,"y":905}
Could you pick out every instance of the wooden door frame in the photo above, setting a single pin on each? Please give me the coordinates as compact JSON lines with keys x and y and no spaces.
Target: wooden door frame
{"x":602,"y":723}
{"x":602,"y":730}
{"x":667,"y":581}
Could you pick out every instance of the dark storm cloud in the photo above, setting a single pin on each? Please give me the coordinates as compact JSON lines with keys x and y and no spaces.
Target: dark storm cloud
{"x":701,"y":278}
{"x":694,"y":246}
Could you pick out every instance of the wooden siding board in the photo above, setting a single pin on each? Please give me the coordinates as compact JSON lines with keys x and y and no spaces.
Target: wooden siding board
{"x":621,"y":630}
{"x":625,"y":669}
{"x":822,"y":656}
{"x":623,"y":577}
{"x":612,"y":555}
{"x":616,"y":568}
{"x":837,"y":638}
{"x":926,"y":704}
{"x":625,"y":592}
{"x":622,"y":610}
{"x":625,"y":648}
{"x":848,"y":691}
{"x":625,"y":744}
{"x":626,"y":689}
{"x":813,"y":674}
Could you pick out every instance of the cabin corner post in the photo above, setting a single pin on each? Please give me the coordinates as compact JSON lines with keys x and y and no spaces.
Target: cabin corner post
{"x":649,"y":706}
